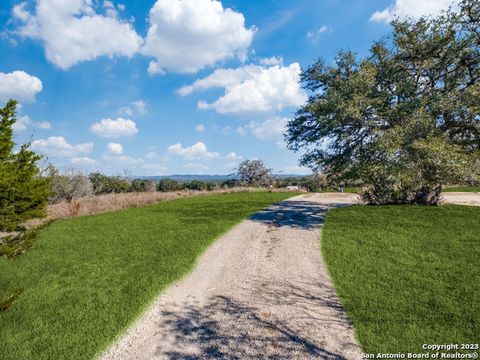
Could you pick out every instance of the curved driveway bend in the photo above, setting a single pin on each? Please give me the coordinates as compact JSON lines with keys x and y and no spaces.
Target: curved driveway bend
{"x":261,"y":291}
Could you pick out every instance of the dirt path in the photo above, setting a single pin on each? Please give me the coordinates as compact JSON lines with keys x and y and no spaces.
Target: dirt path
{"x":261,"y":291}
{"x":462,"y":198}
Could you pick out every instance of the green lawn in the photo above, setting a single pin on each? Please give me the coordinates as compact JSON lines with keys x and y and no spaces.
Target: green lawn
{"x":461,"y":189}
{"x":407,"y":275}
{"x":86,"y":279}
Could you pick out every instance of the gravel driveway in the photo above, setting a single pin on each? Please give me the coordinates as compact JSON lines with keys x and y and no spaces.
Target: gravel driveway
{"x":261,"y":291}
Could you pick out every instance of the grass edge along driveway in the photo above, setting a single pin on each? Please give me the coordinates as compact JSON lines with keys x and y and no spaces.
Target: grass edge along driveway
{"x":407,"y":275}
{"x":87,"y":279}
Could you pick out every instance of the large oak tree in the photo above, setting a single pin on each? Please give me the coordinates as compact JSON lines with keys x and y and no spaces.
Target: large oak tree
{"x":406,"y":119}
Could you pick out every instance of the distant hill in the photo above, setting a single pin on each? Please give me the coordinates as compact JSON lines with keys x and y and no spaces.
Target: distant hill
{"x":206,"y":178}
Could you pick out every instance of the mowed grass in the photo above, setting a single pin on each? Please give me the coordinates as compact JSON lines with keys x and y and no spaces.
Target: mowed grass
{"x":461,"y":189}
{"x":407,"y":275}
{"x":86,"y":279}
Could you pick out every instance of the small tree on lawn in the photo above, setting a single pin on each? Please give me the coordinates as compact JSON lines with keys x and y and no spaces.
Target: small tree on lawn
{"x":254,"y":172}
{"x":405,"y":120}
{"x":23,"y":192}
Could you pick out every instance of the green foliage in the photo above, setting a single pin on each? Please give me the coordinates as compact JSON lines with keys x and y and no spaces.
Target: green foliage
{"x":211,"y":185}
{"x":316,"y":183}
{"x":405,"y":120}
{"x":103,"y":184}
{"x":254,"y":173}
{"x":92,"y":276}
{"x":23,"y":192}
{"x":231,"y":183}
{"x":200,"y":185}
{"x":195,"y":185}
{"x":142,"y":185}
{"x":168,"y":185}
{"x":17,"y":243}
{"x":406,"y":275}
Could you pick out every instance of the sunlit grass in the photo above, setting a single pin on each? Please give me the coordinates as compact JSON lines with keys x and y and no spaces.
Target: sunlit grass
{"x":407,"y":275}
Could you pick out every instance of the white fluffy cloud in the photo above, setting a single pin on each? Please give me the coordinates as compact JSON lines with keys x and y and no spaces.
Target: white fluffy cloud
{"x":140,"y":106}
{"x":24,"y":121}
{"x":200,"y":128}
{"x":115,"y":149}
{"x":233,"y":157}
{"x":188,"y":35}
{"x":83,"y":161}
{"x":20,"y":86}
{"x":122,"y":159}
{"x":274,"y":60}
{"x":272,"y":128}
{"x":137,"y":107}
{"x":196,"y":151}
{"x":58,"y":146}
{"x":72,"y":31}
{"x":83,"y":148}
{"x":252,"y":88}
{"x":412,"y":8}
{"x":232,"y":161}
{"x":241,"y":130}
{"x":152,"y":155}
{"x":315,"y":36}
{"x":114,"y":128}
{"x":44,"y":125}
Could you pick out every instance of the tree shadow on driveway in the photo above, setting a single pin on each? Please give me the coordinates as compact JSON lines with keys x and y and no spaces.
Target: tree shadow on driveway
{"x":306,"y":215}
{"x":290,"y":314}
{"x":226,"y":329}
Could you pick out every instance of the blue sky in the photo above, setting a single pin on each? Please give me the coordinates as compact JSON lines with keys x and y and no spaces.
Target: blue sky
{"x":173,"y":86}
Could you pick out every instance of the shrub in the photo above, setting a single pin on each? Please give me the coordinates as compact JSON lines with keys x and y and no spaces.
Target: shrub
{"x":211,"y":185}
{"x":282,"y":182}
{"x":103,"y":184}
{"x":196,"y":185}
{"x":142,"y":185}
{"x":168,"y":185}
{"x":231,"y":183}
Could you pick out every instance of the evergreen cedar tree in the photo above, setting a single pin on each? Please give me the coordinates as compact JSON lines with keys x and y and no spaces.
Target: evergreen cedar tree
{"x":23,"y":192}
{"x":406,"y":119}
